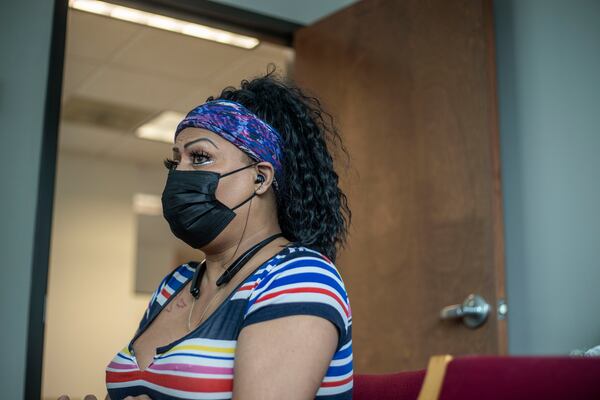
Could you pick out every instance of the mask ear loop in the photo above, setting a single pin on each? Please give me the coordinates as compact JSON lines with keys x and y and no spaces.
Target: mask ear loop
{"x":251,"y":196}
{"x":244,"y":202}
{"x":249,"y":199}
{"x":238,"y":170}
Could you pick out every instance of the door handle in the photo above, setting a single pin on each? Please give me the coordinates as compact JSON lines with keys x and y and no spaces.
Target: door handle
{"x":473,"y":311}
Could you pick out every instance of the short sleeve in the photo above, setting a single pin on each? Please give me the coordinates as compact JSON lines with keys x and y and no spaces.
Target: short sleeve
{"x":304,"y":282}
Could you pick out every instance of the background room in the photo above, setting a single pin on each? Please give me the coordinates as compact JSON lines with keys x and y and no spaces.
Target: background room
{"x":472,"y":130}
{"x":126,"y":86}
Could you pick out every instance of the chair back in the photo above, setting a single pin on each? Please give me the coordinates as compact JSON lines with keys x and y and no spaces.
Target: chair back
{"x":512,"y":377}
{"x":394,"y":386}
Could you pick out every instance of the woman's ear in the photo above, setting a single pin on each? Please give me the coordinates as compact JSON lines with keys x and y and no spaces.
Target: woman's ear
{"x":264,"y":177}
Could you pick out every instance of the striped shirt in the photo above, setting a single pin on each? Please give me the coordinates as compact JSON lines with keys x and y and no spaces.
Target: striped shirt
{"x":297,"y":280}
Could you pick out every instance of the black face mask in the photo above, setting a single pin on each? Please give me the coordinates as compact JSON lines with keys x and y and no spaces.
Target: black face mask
{"x":191,"y":208}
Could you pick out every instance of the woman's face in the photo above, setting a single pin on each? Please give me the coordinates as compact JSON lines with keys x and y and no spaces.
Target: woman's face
{"x":198,"y":149}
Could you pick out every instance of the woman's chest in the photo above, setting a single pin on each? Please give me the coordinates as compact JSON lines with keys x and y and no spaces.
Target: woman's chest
{"x":172,"y":322}
{"x":199,"y":362}
{"x":181,"y":318}
{"x":192,"y":367}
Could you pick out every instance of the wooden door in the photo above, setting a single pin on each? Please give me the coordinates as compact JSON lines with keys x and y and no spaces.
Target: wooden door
{"x":411,"y":84}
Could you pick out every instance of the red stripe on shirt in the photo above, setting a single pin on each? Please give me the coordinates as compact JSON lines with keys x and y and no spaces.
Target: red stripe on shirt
{"x":185,"y":383}
{"x":337,"y":383}
{"x":165,"y":293}
{"x":303,"y":290}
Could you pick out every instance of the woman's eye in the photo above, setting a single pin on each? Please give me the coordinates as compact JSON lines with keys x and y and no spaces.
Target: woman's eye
{"x":199,"y":157}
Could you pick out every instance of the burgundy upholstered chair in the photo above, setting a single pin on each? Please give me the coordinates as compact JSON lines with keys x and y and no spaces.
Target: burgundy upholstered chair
{"x":512,"y":377}
{"x":394,"y":386}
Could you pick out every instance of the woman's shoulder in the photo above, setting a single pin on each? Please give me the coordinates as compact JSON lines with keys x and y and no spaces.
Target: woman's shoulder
{"x":294,"y":256}
{"x":298,"y":264}
{"x":300,"y":280}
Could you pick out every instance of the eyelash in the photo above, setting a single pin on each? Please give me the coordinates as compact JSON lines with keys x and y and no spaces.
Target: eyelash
{"x":172,"y":164}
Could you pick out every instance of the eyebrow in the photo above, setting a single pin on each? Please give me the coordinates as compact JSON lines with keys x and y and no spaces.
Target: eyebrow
{"x":188,"y":144}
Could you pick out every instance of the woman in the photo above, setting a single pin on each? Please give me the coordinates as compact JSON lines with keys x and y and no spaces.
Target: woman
{"x":252,"y":185}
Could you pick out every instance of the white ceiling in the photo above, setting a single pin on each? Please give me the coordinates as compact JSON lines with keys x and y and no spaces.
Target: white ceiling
{"x":303,"y":12}
{"x":130,"y":65}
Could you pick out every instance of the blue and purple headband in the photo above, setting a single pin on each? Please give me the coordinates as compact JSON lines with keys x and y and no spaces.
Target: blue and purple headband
{"x":239,"y":126}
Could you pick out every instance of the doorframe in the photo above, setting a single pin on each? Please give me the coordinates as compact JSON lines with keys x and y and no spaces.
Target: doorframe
{"x":265,"y":28}
{"x":44,"y":206}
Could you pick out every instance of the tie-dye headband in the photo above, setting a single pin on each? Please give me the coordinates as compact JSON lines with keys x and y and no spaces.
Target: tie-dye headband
{"x":239,"y":126}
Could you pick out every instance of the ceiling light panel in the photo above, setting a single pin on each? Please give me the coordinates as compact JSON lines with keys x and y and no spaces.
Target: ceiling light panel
{"x":165,"y":23}
{"x":161,"y":128}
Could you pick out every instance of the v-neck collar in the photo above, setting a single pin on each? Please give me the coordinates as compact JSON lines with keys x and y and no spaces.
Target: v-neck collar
{"x":162,"y":349}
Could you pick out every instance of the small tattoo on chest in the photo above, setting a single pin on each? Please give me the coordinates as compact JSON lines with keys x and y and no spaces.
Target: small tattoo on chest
{"x":179,"y":303}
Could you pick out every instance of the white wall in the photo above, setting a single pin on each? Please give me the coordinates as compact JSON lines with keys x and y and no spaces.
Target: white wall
{"x":92,"y":310}
{"x":548,"y":55}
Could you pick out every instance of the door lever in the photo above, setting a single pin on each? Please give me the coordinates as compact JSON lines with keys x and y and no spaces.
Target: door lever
{"x":473,"y":311}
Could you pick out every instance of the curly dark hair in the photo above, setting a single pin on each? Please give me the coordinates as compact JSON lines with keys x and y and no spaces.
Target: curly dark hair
{"x":312,"y":210}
